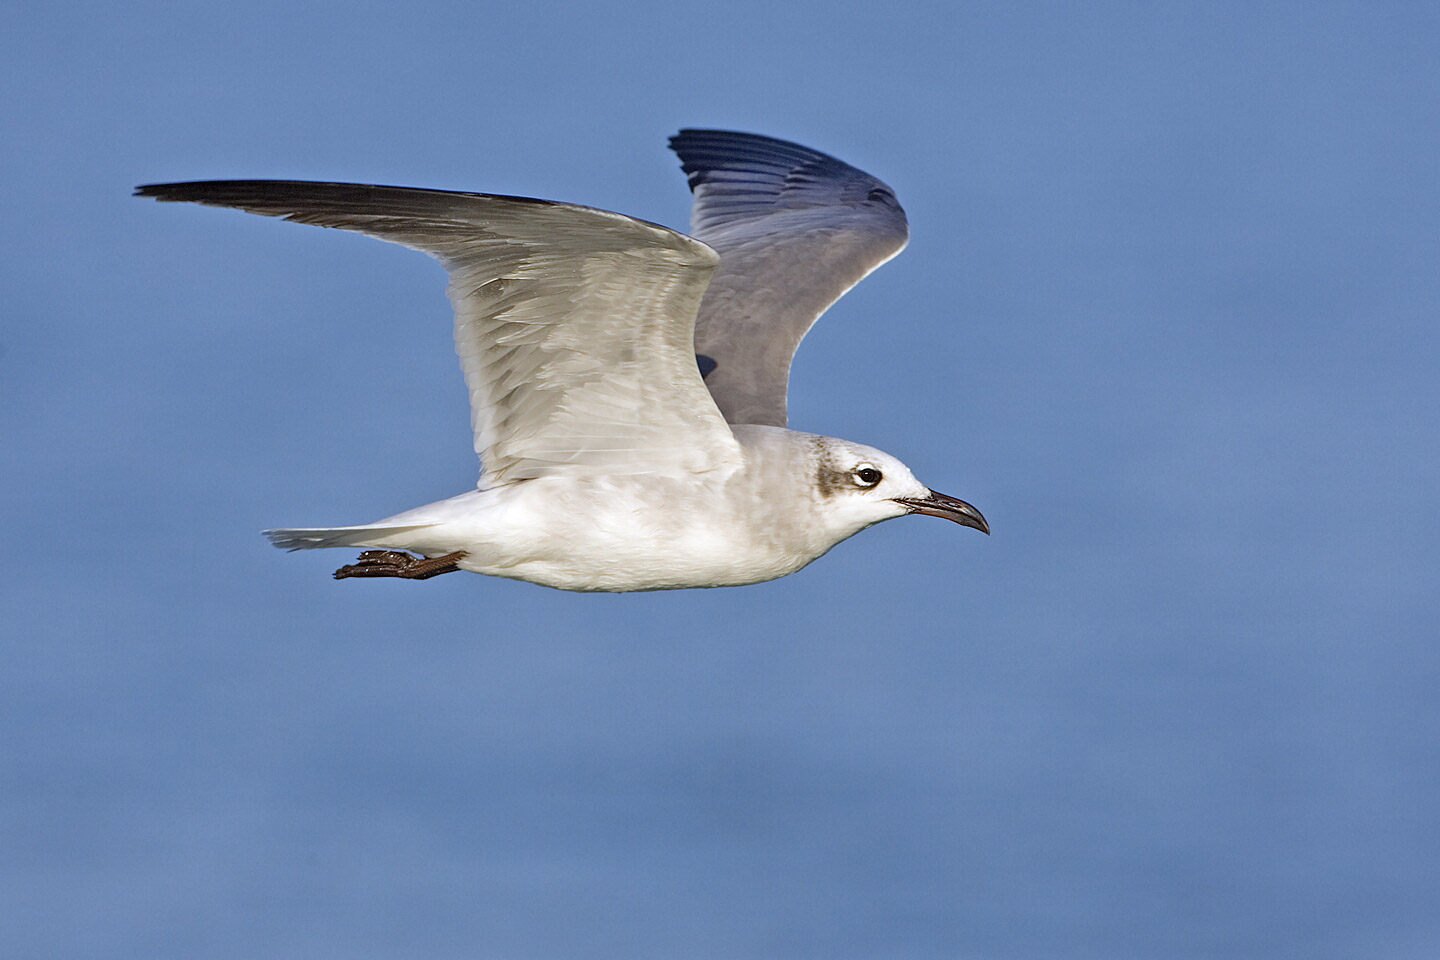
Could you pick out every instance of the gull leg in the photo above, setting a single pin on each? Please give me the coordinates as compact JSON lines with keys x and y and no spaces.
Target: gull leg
{"x":397,"y":563}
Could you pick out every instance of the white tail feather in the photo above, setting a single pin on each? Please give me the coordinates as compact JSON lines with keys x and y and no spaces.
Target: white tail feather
{"x":315,"y":538}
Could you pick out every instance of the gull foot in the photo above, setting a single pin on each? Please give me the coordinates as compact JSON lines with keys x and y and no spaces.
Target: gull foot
{"x":397,"y":563}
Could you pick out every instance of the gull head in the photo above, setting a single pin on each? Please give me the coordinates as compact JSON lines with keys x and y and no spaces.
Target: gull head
{"x":858,"y":486}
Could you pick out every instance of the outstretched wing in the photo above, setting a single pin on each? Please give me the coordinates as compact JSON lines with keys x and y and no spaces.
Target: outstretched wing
{"x":795,"y":229}
{"x":574,"y":326}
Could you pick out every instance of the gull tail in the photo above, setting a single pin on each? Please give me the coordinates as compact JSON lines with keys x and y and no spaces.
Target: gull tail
{"x":315,"y":538}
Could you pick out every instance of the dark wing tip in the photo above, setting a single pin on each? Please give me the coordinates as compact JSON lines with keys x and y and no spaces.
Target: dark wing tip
{"x":221,"y":191}
{"x":737,"y":176}
{"x":238,"y":192}
{"x":704,"y":152}
{"x":303,"y":199}
{"x":690,"y":139}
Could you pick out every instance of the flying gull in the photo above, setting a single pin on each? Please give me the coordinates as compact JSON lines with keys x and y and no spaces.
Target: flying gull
{"x":627,"y":382}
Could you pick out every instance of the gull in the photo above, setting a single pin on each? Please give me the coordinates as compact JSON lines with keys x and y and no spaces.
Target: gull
{"x":628,"y":382}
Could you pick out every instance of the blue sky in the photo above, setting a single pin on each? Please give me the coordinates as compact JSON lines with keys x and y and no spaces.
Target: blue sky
{"x":1167,"y":317}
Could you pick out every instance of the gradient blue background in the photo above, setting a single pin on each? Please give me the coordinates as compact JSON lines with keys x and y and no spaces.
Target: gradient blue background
{"x":1168,"y":317}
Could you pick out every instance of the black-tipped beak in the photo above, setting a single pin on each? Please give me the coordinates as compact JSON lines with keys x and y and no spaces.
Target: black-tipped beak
{"x":939,"y":505}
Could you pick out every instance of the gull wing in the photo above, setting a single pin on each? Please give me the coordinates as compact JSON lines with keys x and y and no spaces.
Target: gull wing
{"x":574,"y":326}
{"x":795,"y":229}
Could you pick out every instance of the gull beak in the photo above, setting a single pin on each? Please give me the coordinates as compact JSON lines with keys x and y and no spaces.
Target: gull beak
{"x":939,"y":505}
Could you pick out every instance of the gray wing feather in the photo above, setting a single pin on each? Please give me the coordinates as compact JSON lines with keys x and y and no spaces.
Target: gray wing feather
{"x":574,"y":326}
{"x":795,"y":229}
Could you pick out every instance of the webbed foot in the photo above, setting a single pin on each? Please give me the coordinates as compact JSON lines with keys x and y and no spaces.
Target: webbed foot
{"x":397,"y":563}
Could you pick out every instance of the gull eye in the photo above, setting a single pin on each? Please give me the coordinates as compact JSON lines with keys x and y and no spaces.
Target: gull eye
{"x":867,"y":477}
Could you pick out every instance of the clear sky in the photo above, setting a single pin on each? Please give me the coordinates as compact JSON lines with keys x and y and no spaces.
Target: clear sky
{"x":1168,"y":317}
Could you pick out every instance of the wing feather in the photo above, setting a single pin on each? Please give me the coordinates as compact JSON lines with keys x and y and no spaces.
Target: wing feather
{"x":574,"y":326}
{"x":795,"y":229}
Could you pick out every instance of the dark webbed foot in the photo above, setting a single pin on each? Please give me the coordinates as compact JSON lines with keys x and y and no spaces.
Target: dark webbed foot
{"x":397,"y":563}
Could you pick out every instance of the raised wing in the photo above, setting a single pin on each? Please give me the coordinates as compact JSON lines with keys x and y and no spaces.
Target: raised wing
{"x":574,"y":326}
{"x":795,"y":229}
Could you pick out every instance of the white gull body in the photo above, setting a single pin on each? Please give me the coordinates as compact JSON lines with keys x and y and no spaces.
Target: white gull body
{"x":609,"y":462}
